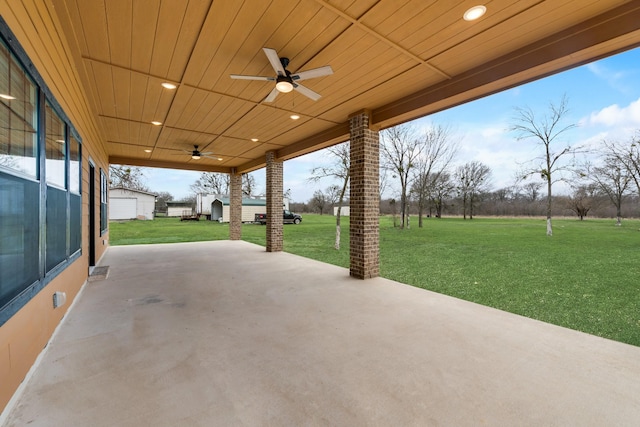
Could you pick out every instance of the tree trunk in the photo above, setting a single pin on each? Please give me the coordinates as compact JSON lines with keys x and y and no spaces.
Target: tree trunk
{"x":420,"y":211}
{"x":344,"y":189}
{"x":464,"y":207}
{"x":549,"y":227}
{"x":403,"y":206}
{"x":618,"y":215}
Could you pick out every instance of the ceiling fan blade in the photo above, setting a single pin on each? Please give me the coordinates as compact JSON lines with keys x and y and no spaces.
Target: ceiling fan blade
{"x":272,"y":95}
{"x":213,"y":157}
{"x":310,"y":74}
{"x":307,"y":92}
{"x":273,"y":57}
{"x":241,"y":77}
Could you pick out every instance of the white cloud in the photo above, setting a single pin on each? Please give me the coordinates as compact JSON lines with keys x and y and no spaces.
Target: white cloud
{"x":615,"y":116}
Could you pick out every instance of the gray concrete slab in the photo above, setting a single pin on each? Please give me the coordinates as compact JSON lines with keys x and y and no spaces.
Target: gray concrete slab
{"x":226,"y":334}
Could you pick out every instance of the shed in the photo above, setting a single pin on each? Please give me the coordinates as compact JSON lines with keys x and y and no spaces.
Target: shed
{"x":125,"y":203}
{"x":344,"y":211}
{"x":177,"y":209}
{"x":220,"y":210}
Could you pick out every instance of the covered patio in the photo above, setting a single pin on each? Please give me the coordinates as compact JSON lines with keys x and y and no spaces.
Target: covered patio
{"x":224,"y":333}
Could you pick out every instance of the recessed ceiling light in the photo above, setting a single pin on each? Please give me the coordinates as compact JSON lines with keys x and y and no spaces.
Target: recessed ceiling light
{"x":147,"y":151}
{"x":294,"y":117}
{"x":8,"y":97}
{"x":255,"y":139}
{"x":156,"y":123}
{"x":168,"y":85}
{"x":474,"y":13}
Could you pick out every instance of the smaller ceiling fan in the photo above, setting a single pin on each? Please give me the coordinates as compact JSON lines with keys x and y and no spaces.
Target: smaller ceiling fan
{"x":197,"y":154}
{"x":285,"y":80}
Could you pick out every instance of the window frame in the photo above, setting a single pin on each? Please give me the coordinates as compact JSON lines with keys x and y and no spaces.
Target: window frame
{"x":21,"y":293}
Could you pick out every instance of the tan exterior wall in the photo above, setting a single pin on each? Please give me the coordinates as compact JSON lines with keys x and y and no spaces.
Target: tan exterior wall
{"x":23,"y":336}
{"x":248,"y":213}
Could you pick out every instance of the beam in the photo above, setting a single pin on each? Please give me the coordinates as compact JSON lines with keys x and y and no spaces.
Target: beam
{"x":200,"y":167}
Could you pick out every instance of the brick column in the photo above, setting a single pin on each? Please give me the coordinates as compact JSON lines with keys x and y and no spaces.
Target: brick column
{"x":365,"y":199}
{"x":274,"y":203}
{"x":235,"y":206}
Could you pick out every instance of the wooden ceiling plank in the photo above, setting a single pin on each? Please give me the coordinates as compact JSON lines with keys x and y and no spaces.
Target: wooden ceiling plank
{"x":167,"y":36}
{"x":118,"y":16}
{"x":219,"y":20}
{"x":95,"y":28}
{"x":191,"y":26}
{"x":144,"y":32}
{"x":122,"y":89}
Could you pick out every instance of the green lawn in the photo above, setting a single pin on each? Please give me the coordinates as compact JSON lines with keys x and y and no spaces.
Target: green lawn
{"x":585,"y":277}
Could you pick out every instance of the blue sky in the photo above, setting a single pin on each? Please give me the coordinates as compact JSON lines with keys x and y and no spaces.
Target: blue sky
{"x":604,"y":99}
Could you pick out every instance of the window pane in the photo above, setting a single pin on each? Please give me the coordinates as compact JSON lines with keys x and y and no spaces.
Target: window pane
{"x":74,"y":165}
{"x":56,"y":227}
{"x":104,"y":220}
{"x":18,"y":118}
{"x":55,"y":151}
{"x":75,"y":220}
{"x":19,"y":234}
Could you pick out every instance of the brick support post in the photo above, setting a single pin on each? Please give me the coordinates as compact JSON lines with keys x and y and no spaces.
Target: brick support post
{"x":364,"y":198}
{"x":274,"y":203}
{"x":235,"y":206}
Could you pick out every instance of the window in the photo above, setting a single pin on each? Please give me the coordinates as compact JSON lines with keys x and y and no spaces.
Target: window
{"x":18,"y":118}
{"x":55,"y":148}
{"x":40,"y":201}
{"x":75,"y":198}
{"x":104,"y":185}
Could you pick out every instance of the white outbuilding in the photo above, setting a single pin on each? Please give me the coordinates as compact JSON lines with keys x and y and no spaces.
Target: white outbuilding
{"x":125,"y":203}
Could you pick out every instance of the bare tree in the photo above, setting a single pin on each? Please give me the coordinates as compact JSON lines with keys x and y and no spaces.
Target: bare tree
{"x":547,"y":131}
{"x":613,"y":179}
{"x":471,"y":178}
{"x":319,"y":201}
{"x":339,"y":170}
{"x":127,"y":177}
{"x":438,"y":150}
{"x":443,"y":186}
{"x":248,"y":184}
{"x":629,"y":156}
{"x":161,"y":201}
{"x":581,"y":201}
{"x":531,"y":190}
{"x":211,"y":182}
{"x":400,"y":147}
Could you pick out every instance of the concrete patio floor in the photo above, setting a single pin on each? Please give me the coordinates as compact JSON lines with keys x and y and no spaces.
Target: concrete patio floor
{"x":225,"y":334}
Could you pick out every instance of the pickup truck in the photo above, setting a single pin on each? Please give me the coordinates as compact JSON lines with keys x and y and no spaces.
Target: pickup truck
{"x":288,"y":217}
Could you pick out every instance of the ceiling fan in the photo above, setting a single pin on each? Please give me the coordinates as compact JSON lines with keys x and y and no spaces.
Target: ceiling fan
{"x":197,"y":154}
{"x":285,"y":81}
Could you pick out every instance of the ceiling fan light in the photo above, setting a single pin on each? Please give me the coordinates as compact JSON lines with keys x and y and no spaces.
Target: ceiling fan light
{"x":284,"y":85}
{"x":195,"y":156}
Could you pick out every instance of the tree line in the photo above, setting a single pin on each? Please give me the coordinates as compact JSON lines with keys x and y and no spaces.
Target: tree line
{"x":602,"y":181}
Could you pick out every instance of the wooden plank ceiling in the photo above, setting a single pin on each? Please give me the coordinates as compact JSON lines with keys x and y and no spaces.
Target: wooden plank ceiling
{"x":399,"y":59}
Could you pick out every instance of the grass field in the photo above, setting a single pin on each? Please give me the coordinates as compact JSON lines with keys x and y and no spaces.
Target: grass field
{"x":586,"y":277}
